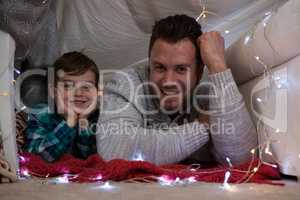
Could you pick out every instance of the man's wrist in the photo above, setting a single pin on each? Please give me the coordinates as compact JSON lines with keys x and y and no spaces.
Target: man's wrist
{"x":216,"y":68}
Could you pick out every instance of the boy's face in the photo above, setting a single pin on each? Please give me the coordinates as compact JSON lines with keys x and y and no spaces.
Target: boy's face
{"x":76,"y":93}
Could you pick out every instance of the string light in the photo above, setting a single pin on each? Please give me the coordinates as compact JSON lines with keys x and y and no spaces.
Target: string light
{"x":267,"y":150}
{"x":192,"y":179}
{"x":204,"y":12}
{"x":17,"y":71}
{"x":4,"y":94}
{"x":62,"y":180}
{"x":138,"y":157}
{"x":255,"y":169}
{"x":247,"y":39}
{"x":165,"y":181}
{"x":226,"y":186}
{"x":259,"y":99}
{"x":25,"y":172}
{"x":107,"y":186}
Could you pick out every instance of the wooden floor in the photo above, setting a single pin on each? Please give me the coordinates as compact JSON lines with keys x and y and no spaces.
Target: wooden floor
{"x":40,"y":190}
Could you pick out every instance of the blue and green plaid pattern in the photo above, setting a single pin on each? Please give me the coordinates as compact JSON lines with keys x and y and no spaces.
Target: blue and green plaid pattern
{"x":49,"y":136}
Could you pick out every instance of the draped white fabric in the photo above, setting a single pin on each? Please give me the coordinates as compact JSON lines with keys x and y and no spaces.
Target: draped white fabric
{"x":116,"y":33}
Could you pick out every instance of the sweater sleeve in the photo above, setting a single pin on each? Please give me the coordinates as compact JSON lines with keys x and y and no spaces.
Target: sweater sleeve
{"x":121,"y":132}
{"x":232,"y":130}
{"x":47,"y":141}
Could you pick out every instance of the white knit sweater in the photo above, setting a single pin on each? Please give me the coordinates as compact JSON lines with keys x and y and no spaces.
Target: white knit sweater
{"x":125,"y":131}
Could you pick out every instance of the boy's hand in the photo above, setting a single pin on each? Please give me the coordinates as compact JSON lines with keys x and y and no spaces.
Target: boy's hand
{"x":66,"y":109}
{"x":212,"y":51}
{"x":72,"y":119}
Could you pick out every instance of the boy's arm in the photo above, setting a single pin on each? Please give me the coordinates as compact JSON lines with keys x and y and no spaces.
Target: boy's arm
{"x":86,"y":139}
{"x":47,"y":141}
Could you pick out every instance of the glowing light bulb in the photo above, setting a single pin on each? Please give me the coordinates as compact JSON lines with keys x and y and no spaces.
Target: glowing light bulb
{"x":138,"y":157}
{"x":267,"y":150}
{"x":227,"y":175}
{"x":255,"y":169}
{"x":17,"y":71}
{"x":247,"y":39}
{"x":227,"y":31}
{"x":252,"y":151}
{"x":25,"y":172}
{"x":106,"y":185}
{"x":228,"y":161}
{"x":226,"y":185}
{"x":267,"y":13}
{"x":259,"y":99}
{"x":63,"y":180}
{"x":257,"y":58}
{"x":165,"y":180}
{"x":99,"y":177}
{"x":22,"y":159}
{"x":277,"y":130}
{"x":192,"y":179}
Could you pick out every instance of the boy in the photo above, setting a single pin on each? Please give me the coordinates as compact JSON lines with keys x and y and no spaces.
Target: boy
{"x":68,"y":130}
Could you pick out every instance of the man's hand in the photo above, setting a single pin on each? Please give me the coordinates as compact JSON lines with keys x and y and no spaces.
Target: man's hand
{"x":212,"y":51}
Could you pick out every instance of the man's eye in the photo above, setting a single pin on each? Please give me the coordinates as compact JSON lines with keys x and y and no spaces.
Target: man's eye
{"x":159,"y":68}
{"x":181,"y":69}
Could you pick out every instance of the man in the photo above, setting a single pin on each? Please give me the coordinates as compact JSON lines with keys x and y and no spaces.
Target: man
{"x":152,"y":112}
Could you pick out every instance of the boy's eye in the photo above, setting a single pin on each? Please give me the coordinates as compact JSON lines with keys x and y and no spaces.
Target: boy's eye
{"x":87,"y":87}
{"x":68,"y":85}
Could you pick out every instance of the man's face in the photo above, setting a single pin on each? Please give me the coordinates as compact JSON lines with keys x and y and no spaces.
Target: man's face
{"x":76,"y":92}
{"x":174,"y":70}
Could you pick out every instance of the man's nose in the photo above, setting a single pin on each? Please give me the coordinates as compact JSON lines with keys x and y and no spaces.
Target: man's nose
{"x":169,"y":77}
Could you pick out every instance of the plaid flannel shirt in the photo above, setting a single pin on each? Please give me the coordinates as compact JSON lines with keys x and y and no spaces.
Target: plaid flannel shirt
{"x":49,"y":136}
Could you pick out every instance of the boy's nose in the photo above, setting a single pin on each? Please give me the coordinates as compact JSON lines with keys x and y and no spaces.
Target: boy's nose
{"x":78,"y":91}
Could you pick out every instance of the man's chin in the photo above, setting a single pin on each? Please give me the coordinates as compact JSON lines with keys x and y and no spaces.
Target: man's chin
{"x":170,"y":107}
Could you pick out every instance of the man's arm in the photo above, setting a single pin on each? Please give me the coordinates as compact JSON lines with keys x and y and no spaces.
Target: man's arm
{"x":122,"y":134}
{"x":233,"y":133}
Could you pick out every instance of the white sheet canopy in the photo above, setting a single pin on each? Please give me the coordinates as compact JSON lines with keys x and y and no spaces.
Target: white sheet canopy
{"x":116,"y":33}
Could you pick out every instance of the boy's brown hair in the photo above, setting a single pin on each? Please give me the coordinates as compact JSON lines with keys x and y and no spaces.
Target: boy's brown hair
{"x":75,"y":63}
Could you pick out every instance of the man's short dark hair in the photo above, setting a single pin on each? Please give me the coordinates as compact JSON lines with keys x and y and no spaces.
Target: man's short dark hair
{"x":175,"y":28}
{"x":75,"y":63}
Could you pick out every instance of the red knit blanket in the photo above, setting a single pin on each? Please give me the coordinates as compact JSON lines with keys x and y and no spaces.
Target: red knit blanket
{"x":96,"y":169}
